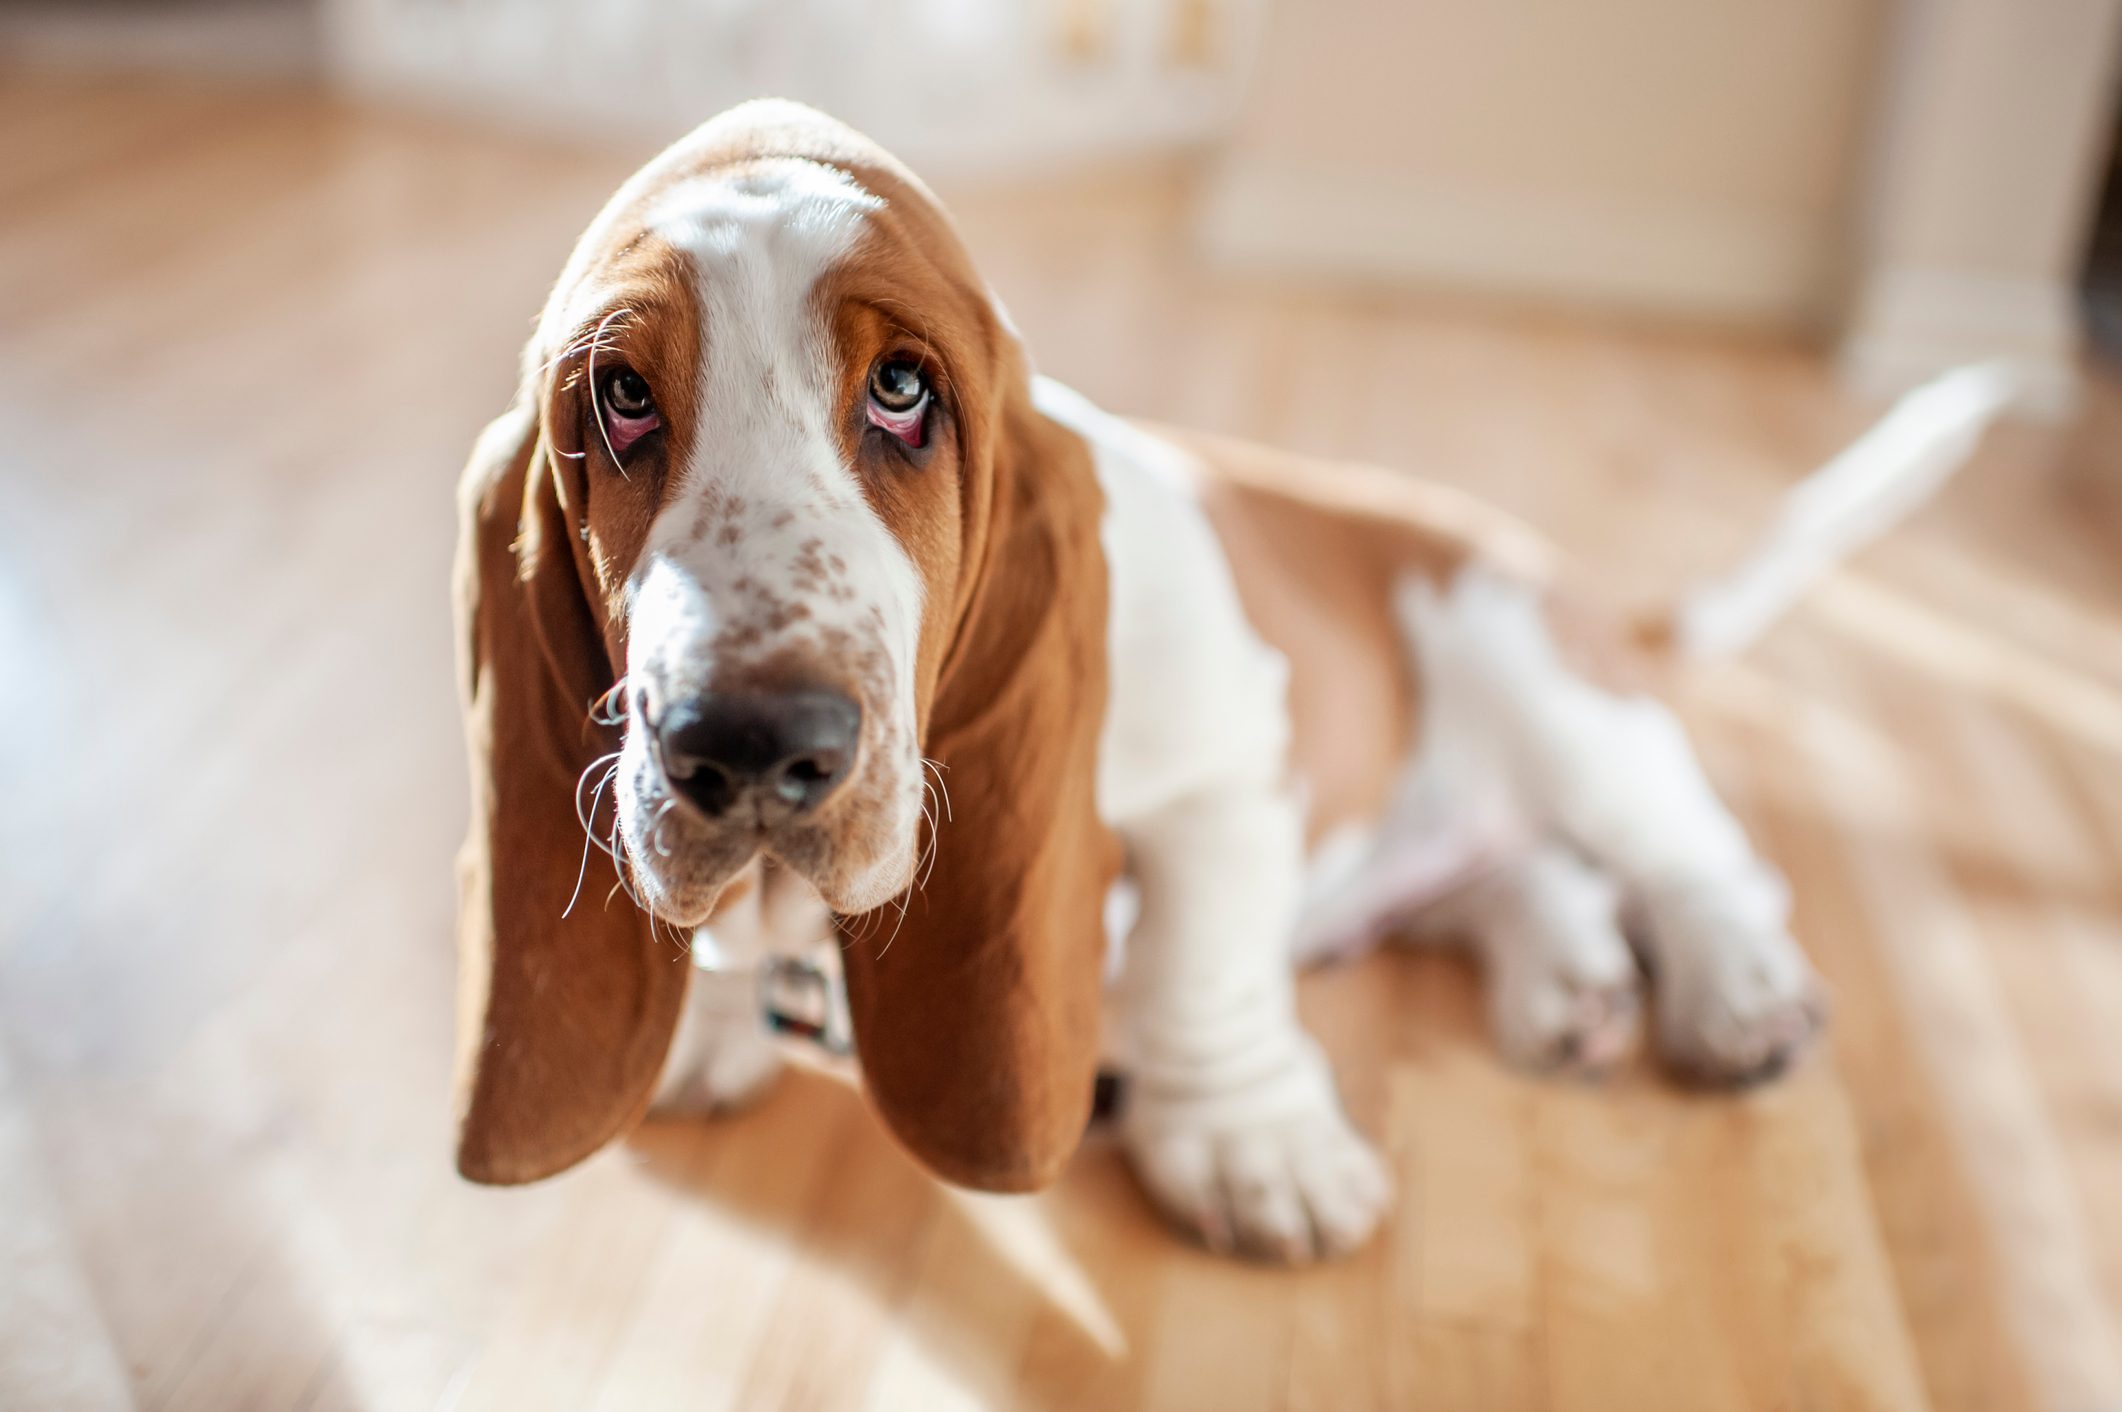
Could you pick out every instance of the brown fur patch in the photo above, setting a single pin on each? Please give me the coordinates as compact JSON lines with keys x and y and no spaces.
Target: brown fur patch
{"x":1316,"y":548}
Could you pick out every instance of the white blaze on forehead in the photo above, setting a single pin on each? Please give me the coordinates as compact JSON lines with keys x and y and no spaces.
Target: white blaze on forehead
{"x":760,"y":240}
{"x":803,"y":203}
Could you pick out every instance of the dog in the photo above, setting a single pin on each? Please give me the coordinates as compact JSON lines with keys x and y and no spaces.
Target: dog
{"x":785,"y":581}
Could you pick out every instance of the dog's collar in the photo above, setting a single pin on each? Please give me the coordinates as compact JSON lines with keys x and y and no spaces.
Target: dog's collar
{"x":804,"y":1000}
{"x":800,"y":997}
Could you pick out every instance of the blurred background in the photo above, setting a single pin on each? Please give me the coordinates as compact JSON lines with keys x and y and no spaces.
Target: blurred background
{"x":1919,"y":181}
{"x":1627,"y":268}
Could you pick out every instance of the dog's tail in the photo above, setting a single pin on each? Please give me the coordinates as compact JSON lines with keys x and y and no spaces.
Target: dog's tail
{"x":1878,"y":481}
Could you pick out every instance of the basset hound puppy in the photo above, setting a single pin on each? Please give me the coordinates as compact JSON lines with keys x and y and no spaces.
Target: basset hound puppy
{"x":784,"y":582}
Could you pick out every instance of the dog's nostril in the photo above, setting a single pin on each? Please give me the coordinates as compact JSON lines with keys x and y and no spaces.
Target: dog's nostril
{"x":805,"y":774}
{"x":785,"y":752}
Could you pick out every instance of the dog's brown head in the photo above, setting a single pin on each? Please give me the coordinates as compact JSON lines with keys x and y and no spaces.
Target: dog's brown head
{"x":770,"y":524}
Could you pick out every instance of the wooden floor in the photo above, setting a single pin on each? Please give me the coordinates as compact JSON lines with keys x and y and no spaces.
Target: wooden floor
{"x":245,"y":341}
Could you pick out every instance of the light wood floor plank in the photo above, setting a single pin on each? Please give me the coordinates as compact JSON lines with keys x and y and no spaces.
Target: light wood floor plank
{"x":1996,"y":1119}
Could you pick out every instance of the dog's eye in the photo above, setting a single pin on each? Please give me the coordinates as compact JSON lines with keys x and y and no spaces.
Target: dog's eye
{"x":897,"y":385}
{"x":626,"y":394}
{"x":898,"y":399}
{"x":629,"y":407}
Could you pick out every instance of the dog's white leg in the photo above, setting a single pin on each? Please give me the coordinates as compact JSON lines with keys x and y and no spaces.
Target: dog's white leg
{"x":1563,"y":990}
{"x":722,"y":1058}
{"x":1231,"y":1114}
{"x":1736,"y":998}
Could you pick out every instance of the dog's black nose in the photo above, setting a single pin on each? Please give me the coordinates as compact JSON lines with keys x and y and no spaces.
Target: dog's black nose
{"x":783,"y":752}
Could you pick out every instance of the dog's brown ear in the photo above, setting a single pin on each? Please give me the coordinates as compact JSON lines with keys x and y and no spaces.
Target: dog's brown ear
{"x":566,"y":1003}
{"x":977,"y":1013}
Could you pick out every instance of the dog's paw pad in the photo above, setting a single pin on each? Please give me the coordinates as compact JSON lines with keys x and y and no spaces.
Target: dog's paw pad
{"x":1297,"y":1189}
{"x":1739,"y":1009}
{"x":1756,"y":1039}
{"x":1556,"y":1014}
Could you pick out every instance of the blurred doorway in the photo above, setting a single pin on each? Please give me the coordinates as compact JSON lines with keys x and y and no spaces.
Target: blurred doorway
{"x":2102,"y":282}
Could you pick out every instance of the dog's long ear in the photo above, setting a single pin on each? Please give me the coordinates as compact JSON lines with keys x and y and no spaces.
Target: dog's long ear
{"x":978,"y":1019}
{"x":566,"y":1004}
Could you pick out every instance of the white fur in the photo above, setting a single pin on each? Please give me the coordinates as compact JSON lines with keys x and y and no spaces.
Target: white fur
{"x":1562,"y":985}
{"x":1602,"y":788}
{"x":723,"y":1055}
{"x":1881,"y":479}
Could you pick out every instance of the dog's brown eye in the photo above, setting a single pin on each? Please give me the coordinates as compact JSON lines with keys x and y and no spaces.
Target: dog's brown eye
{"x":897,"y":386}
{"x":626,"y":394}
{"x":626,"y":408}
{"x":898,"y":400}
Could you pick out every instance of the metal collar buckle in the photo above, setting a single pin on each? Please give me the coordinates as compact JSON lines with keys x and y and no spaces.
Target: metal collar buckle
{"x":803,"y":1000}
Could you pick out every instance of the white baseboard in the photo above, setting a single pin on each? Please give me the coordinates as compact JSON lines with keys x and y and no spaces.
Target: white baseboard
{"x":1910,"y":323}
{"x":1671,"y":262}
{"x":250,"y":39}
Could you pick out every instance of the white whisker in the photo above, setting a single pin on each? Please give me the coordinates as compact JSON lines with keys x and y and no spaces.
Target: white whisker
{"x":596,"y":411}
{"x":609,"y":709}
{"x":932,"y":847}
{"x":906,"y":899}
{"x":941,"y":784}
{"x":589,"y":835}
{"x":621,"y":867}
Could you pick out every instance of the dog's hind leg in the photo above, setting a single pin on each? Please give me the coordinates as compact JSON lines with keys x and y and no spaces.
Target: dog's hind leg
{"x":1563,"y":989}
{"x":1735,"y":998}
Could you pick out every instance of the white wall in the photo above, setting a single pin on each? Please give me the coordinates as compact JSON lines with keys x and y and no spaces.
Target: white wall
{"x":950,"y":85}
{"x":1994,"y":122}
{"x":1918,"y":170}
{"x":1694,"y":157}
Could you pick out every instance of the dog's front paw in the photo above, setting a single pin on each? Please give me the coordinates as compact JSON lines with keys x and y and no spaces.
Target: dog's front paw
{"x":728,"y":1077}
{"x":1737,"y":1001}
{"x":722,"y":1059}
{"x":1260,"y":1174}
